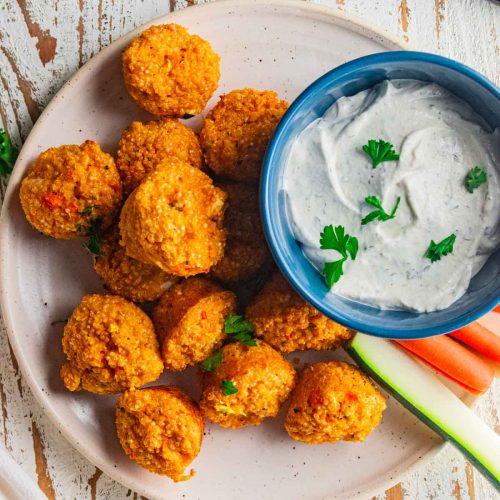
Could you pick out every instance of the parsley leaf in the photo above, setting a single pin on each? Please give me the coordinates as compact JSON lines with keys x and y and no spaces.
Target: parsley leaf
{"x":380,"y":213}
{"x":332,"y":272}
{"x":438,"y":250}
{"x":475,"y":178}
{"x":8,"y":154}
{"x":240,"y":329}
{"x":87,"y":210}
{"x":337,"y":239}
{"x":212,"y":362}
{"x":228,"y":388}
{"x":380,"y":151}
{"x":94,"y":243}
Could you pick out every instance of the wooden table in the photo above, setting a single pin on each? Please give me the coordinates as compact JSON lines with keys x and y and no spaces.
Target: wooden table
{"x":43,"y":42}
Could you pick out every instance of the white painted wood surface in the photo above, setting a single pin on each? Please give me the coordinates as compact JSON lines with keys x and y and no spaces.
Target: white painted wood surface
{"x":42,"y":43}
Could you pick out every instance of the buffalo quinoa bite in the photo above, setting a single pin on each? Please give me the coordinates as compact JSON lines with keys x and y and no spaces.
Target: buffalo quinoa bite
{"x":333,"y":401}
{"x":128,"y":277}
{"x":169,"y":72}
{"x":249,"y":384}
{"x":144,"y":145}
{"x":236,"y":132}
{"x":246,"y":252}
{"x":174,"y":220}
{"x":161,"y":429}
{"x":70,"y":190}
{"x":288,"y":323}
{"x":189,"y":321}
{"x":110,"y":345}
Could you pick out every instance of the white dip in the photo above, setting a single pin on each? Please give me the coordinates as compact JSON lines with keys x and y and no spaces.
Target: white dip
{"x":439,"y":139}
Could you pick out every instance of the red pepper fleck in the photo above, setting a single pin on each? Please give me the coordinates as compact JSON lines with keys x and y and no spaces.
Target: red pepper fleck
{"x":73,"y":208}
{"x":203,"y":315}
{"x":350,"y":396}
{"x":52,"y":201}
{"x":315,"y":398}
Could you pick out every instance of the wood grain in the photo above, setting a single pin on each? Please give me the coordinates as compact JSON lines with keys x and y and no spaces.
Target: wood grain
{"x":42,"y":43}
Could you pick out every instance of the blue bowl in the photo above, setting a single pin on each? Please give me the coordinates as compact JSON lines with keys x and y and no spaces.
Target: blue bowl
{"x":484,"y":290}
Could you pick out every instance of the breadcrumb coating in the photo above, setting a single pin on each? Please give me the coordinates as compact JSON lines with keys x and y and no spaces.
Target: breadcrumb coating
{"x":174,"y":220}
{"x":161,"y":429}
{"x":262,"y":377}
{"x":127,"y":277}
{"x":288,"y":323}
{"x":111,"y":346}
{"x":237,"y":130}
{"x":246,"y":252}
{"x":68,"y":188}
{"x":331,"y":402}
{"x":189,"y":320}
{"x":144,"y":145}
{"x":169,"y":72}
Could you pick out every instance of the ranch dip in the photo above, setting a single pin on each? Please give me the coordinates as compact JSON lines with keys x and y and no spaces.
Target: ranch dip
{"x":439,"y":139}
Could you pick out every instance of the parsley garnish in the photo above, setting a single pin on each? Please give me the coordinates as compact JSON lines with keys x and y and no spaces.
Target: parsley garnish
{"x":380,"y":151}
{"x":336,"y":239}
{"x":475,"y":178}
{"x":87,"y":210}
{"x":212,"y":362}
{"x":228,"y":387}
{"x":240,"y":329}
{"x":8,"y":154}
{"x":438,"y":250}
{"x":94,"y":243}
{"x":380,"y":213}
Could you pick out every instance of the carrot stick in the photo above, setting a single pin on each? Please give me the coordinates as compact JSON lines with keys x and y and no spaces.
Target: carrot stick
{"x":453,"y":360}
{"x":481,"y":339}
{"x":497,"y":309}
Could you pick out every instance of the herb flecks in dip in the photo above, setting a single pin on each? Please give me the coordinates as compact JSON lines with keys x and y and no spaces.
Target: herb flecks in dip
{"x":439,"y":139}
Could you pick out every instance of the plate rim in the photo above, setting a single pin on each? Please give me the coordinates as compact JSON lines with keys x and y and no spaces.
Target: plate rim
{"x":336,"y":16}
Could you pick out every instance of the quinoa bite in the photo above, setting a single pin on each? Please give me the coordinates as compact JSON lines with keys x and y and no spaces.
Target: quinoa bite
{"x":70,"y":189}
{"x":287,"y":322}
{"x":174,"y":220}
{"x":236,"y":132}
{"x":128,"y":277}
{"x":246,"y":252}
{"x":161,"y":429}
{"x":144,"y":145}
{"x":333,"y":401}
{"x":189,"y":320}
{"x":169,"y":72}
{"x":111,"y":346}
{"x":260,"y":378}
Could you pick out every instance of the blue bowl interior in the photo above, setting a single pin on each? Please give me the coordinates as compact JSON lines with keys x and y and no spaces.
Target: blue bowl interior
{"x":484,"y":290}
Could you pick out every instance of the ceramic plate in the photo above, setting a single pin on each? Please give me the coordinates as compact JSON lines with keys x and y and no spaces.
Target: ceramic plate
{"x":280,"y":46}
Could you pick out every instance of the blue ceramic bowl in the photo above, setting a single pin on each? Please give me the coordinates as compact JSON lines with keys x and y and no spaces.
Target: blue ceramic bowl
{"x":484,"y":290}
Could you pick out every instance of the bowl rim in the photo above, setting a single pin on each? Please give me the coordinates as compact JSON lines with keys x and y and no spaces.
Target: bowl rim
{"x":267,"y":199}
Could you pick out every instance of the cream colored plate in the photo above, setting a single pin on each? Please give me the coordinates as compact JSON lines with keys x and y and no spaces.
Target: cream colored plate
{"x":280,"y":46}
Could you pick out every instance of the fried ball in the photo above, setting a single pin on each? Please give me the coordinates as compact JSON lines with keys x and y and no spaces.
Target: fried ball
{"x":144,"y":145}
{"x":189,"y":320}
{"x":333,"y":401}
{"x":161,"y":429}
{"x":127,"y":277}
{"x":70,"y":190}
{"x":169,"y":72}
{"x":250,"y":384}
{"x":237,"y":130}
{"x":287,"y":322}
{"x":246,"y":252}
{"x":174,"y":220}
{"x":111,"y":346}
